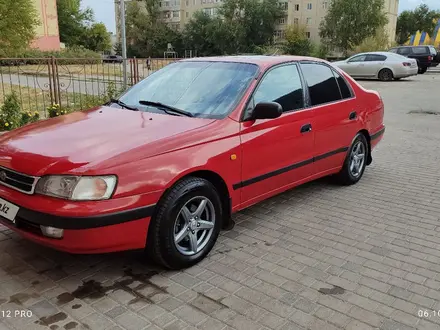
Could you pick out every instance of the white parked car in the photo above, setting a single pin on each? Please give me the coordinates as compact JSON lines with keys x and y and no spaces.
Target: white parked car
{"x":379,"y":65}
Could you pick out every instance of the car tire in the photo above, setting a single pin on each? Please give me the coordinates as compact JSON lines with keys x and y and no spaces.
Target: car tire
{"x":350,"y":173}
{"x":423,"y":70}
{"x":397,"y":78}
{"x":175,"y":239}
{"x":386,"y":75}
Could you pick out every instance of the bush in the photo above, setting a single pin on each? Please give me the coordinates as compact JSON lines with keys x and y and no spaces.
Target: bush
{"x":10,"y":113}
{"x":377,"y":42}
{"x":56,"y":110}
{"x":29,"y":117}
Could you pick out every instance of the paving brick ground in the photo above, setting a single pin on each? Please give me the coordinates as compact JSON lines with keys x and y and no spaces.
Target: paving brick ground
{"x":318,"y":257}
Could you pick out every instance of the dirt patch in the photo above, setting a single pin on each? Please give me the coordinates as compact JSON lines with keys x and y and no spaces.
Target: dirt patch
{"x":335,"y":290}
{"x":21,"y":298}
{"x":48,"y":320}
{"x":424,"y":112}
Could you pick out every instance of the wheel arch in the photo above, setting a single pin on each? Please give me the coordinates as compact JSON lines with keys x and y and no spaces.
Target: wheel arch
{"x":368,"y":138}
{"x":219,"y":183}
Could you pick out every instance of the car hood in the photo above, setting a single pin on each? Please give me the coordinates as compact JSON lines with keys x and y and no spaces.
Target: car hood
{"x":91,"y":140}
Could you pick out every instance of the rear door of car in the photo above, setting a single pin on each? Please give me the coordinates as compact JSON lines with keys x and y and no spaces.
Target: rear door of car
{"x":336,"y":119}
{"x":373,"y":64}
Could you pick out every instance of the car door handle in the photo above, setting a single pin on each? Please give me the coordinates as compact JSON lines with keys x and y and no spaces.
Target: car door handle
{"x":306,"y":128}
{"x":352,"y":115}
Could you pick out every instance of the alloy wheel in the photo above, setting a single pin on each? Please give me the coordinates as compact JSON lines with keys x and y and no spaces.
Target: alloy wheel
{"x":357,"y":159}
{"x":194,"y":225}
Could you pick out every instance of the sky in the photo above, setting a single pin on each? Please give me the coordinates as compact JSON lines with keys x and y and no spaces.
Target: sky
{"x":105,"y":9}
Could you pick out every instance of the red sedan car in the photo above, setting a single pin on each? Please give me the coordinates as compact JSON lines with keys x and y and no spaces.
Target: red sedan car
{"x":164,"y":166}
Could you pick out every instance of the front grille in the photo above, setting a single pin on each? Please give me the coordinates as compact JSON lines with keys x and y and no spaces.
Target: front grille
{"x":17,"y":181}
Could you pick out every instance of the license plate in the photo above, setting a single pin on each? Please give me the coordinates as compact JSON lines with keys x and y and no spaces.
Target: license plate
{"x":8,"y":210}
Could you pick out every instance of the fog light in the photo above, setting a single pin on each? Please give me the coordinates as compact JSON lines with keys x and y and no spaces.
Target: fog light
{"x":52,"y":232}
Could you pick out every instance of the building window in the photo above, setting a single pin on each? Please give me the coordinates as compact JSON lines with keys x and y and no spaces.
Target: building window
{"x":325,"y":5}
{"x":309,"y":21}
{"x":160,"y":4}
{"x":283,"y":5}
{"x":186,"y":14}
{"x":308,"y":35}
{"x":309,"y":6}
{"x":282,"y":20}
{"x":176,"y":14}
{"x":297,"y":7}
{"x":187,"y":3}
{"x":167,"y":4}
{"x":296,"y":21}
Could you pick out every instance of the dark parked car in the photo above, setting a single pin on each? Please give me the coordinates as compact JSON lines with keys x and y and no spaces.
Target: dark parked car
{"x":426,"y":56}
{"x":112,"y":59}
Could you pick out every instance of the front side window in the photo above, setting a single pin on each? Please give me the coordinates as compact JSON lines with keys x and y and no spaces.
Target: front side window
{"x":282,"y":85}
{"x":404,"y":51}
{"x":205,"y":89}
{"x":358,"y":58}
{"x":322,"y":84}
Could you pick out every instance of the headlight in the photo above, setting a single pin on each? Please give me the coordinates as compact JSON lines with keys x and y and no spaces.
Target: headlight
{"x":78,"y":188}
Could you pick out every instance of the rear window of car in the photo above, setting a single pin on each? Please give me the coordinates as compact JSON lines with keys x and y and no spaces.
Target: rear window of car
{"x":375,"y":57}
{"x":433,"y":50}
{"x":323,"y":87}
{"x":420,"y":50}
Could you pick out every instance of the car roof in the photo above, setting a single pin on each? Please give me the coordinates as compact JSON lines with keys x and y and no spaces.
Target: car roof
{"x":375,"y":53}
{"x":260,"y":60}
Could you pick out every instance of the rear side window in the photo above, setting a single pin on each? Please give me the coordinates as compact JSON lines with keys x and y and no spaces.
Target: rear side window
{"x":345,"y":90}
{"x":433,"y":51}
{"x":420,"y":50}
{"x":404,"y":51}
{"x":394,"y":50}
{"x":376,"y":57}
{"x":282,"y":85}
{"x":323,"y":87}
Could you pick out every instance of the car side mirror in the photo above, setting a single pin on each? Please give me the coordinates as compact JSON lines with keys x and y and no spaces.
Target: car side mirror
{"x":266,"y":110}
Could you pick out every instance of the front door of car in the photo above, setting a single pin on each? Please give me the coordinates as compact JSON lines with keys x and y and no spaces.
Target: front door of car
{"x":356,"y":66}
{"x":337,"y":120}
{"x":276,"y":152}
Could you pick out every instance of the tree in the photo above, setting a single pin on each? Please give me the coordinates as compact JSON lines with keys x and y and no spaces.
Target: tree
{"x":419,"y":19}
{"x":296,"y":41}
{"x":97,"y":38}
{"x":349,"y":22}
{"x":380,"y":41}
{"x":73,"y":21}
{"x":239,"y":26}
{"x":18,"y":21}
{"x":405,"y":26}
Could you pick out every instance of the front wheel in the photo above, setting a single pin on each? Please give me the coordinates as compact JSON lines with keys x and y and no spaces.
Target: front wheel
{"x":355,"y":161}
{"x":186,"y":224}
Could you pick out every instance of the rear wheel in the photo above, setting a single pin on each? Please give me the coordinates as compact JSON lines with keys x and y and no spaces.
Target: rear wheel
{"x":386,"y":75}
{"x":355,"y":161}
{"x":423,"y":70}
{"x":186,"y":224}
{"x":397,"y":78}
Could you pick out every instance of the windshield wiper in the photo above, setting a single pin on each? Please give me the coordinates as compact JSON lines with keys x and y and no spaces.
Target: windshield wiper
{"x":122,"y":104}
{"x":167,"y":108}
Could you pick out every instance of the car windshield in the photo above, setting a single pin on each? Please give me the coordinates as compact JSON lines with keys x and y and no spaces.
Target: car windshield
{"x":204,"y":89}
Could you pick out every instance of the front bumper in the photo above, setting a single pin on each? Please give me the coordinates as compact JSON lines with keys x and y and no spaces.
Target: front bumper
{"x":91,"y":228}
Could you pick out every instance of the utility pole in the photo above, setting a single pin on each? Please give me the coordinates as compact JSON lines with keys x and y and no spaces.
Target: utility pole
{"x":124,"y":42}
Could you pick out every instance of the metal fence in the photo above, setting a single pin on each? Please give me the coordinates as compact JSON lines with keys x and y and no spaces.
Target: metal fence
{"x":72,"y":83}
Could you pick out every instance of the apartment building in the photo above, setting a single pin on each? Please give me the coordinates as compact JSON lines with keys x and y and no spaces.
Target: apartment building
{"x":308,"y":13}
{"x":47,"y":34}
